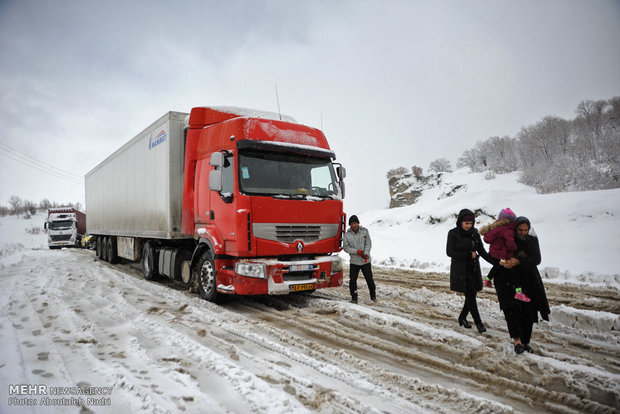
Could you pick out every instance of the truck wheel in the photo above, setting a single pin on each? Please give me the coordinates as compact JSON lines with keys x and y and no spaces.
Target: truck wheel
{"x":206,"y":277}
{"x":111,"y":247}
{"x":148,"y":262}
{"x":104,"y":249}
{"x":99,"y":247}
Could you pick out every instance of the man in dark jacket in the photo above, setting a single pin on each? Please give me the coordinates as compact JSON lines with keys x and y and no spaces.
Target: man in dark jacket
{"x":464,"y":246}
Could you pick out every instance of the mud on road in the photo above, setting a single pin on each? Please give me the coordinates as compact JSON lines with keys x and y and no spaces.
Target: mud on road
{"x":165,"y":349}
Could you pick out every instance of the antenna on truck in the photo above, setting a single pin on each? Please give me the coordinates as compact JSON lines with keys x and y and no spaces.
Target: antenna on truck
{"x":278,"y":101}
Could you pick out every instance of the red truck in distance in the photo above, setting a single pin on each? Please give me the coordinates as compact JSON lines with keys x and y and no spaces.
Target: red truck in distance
{"x":227,"y":200}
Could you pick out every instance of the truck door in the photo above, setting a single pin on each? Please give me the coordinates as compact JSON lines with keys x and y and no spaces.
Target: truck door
{"x":223,"y":205}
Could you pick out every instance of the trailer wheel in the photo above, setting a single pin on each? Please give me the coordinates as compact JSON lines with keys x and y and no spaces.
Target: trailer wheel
{"x":99,"y":247}
{"x":104,"y":249}
{"x":207,"y":277}
{"x":148,"y":262}
{"x":111,"y":248}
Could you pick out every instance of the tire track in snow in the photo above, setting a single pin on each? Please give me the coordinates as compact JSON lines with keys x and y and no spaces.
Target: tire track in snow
{"x":165,"y":349}
{"x":453,"y":371}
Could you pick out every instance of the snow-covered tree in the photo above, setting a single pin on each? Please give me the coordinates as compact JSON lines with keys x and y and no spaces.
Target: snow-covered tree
{"x":557,"y":154}
{"x":15,"y":205}
{"x":45,"y":204}
{"x":440,"y":165}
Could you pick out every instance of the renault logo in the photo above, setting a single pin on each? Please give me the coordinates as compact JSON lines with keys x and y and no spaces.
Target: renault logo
{"x":300,"y":246}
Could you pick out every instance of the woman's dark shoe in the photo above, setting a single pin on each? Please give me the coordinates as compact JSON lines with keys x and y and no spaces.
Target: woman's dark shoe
{"x":481,"y":327}
{"x":519,"y":348}
{"x":463,"y":322}
{"x":528,"y":348}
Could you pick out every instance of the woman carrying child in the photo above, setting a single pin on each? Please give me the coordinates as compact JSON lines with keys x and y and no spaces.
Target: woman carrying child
{"x":521,"y":316}
{"x":501,"y":238}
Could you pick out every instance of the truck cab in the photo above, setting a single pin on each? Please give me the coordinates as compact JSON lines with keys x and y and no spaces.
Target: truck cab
{"x":263,"y":198}
{"x":65,"y":228}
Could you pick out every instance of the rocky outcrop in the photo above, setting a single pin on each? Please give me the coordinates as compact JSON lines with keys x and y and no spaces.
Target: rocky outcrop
{"x":405,"y":189}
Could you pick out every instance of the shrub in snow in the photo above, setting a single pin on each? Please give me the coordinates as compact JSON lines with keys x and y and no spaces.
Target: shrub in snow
{"x":33,"y":230}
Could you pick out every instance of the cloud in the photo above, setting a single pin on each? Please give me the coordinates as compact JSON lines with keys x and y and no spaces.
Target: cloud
{"x":391,"y":82}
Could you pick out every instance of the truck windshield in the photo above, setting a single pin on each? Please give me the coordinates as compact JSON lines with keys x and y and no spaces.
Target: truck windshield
{"x":287,"y":175}
{"x":60,"y":225}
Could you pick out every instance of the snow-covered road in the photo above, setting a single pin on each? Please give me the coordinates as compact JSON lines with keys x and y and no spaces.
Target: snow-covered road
{"x":69,"y":320}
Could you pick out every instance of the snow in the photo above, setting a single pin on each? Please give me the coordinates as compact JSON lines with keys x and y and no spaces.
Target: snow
{"x":300,"y":140}
{"x":70,"y":320}
{"x":578,"y":231}
{"x":254,"y":113}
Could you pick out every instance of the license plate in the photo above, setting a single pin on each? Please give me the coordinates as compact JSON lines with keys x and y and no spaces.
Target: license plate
{"x":301,"y":288}
{"x":300,"y":267}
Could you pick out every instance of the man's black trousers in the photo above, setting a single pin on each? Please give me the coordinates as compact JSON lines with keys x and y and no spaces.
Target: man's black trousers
{"x":354,"y":271}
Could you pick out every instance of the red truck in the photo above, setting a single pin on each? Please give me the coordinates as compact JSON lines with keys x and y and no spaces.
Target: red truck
{"x":227,"y":200}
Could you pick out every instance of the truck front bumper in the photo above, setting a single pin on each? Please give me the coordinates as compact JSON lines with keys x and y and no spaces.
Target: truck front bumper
{"x":61,"y":240}
{"x":279,"y":277}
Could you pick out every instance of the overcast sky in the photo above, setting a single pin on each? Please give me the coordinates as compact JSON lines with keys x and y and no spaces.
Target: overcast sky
{"x":391,"y":83}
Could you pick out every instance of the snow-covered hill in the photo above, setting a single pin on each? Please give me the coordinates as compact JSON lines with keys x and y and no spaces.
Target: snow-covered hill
{"x":578,"y":232}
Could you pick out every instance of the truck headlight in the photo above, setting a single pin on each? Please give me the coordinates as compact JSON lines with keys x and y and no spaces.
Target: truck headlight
{"x":257,"y":270}
{"x":337,"y":265}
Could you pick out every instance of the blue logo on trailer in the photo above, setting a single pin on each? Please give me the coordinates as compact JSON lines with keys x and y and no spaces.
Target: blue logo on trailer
{"x":159,"y":139}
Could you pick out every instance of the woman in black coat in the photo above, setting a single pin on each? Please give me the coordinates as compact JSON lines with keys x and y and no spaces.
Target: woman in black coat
{"x":521,"y":316}
{"x":464,"y":246}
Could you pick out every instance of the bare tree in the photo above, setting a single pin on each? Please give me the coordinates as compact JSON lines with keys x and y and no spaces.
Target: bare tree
{"x":15,"y":204}
{"x":440,"y":165}
{"x":417,"y":171}
{"x":29,"y":207}
{"x":471,"y":159}
{"x":45,"y":204}
{"x":591,"y":113}
{"x":396,"y":171}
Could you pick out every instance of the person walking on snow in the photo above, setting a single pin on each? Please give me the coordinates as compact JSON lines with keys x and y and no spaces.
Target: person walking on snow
{"x":521,"y":316}
{"x":358,"y":244}
{"x":501,"y":238}
{"x":464,"y":247}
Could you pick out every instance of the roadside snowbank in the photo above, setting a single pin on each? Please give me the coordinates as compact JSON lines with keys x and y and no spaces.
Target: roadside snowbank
{"x":18,"y":235}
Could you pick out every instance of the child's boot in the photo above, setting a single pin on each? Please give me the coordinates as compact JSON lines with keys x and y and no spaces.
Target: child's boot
{"x":521,"y":296}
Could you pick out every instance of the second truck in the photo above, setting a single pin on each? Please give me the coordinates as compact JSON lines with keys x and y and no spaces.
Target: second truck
{"x":65,"y":227}
{"x":227,"y":200}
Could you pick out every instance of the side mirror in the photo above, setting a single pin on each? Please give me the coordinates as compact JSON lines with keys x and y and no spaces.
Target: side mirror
{"x":341,"y":183}
{"x":215,"y":179}
{"x":216,"y":160}
{"x":342,"y":172}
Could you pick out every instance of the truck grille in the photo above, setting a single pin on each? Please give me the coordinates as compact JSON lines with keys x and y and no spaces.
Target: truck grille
{"x":60,"y":237}
{"x":297,"y":276}
{"x":290,"y":232}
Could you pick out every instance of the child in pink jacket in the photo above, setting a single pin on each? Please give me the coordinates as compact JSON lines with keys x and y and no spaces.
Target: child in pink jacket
{"x":501,"y":238}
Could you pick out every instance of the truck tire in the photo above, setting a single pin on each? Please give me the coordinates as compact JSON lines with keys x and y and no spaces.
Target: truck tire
{"x":206,"y":276}
{"x":99,"y":247}
{"x":104,"y":249}
{"x":112,"y":253}
{"x":149,"y":261}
